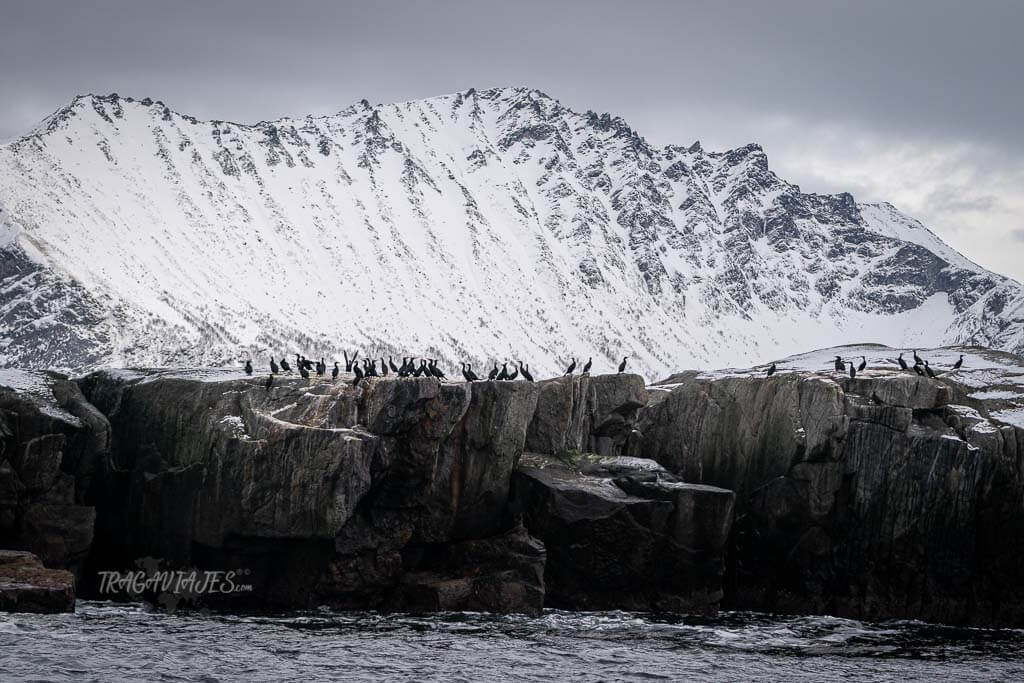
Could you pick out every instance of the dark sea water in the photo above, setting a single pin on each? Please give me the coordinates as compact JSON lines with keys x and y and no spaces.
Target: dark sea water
{"x":110,"y":642}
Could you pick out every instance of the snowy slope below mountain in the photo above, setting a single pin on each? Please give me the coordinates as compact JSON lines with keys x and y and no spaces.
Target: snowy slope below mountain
{"x":480,"y":225}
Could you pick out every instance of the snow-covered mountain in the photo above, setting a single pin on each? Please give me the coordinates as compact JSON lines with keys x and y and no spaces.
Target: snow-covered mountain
{"x":480,"y":225}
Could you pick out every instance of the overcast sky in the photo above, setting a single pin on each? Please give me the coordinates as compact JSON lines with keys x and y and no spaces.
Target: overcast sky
{"x":918,"y":102}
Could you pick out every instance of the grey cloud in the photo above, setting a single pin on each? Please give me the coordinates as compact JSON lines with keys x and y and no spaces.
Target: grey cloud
{"x":1018,"y":234}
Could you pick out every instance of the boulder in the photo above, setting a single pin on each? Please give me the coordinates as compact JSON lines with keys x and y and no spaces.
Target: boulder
{"x":622,"y":533}
{"x":27,"y":586}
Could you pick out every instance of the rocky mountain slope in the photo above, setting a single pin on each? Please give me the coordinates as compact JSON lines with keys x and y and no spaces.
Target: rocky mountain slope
{"x":479,"y":225}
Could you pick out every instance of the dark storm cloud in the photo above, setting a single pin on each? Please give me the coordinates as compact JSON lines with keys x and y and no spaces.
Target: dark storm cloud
{"x":828,"y":88}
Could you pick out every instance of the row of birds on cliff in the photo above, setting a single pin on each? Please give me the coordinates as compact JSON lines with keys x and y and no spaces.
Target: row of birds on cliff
{"x":427,"y":367}
{"x":921,"y":366}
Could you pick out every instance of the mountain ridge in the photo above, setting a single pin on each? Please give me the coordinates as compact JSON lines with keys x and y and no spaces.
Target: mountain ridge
{"x":481,"y":225}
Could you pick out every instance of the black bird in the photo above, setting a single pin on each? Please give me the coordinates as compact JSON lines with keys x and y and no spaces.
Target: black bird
{"x":273,"y":366}
{"x":422,"y":369}
{"x":503,"y":375}
{"x":863,"y":364}
{"x":335,"y":371}
{"x":436,"y":371}
{"x":303,"y":371}
{"x":928,"y":370}
{"x":525,"y":372}
{"x":308,"y":362}
{"x":248,"y":367}
{"x":959,"y":364}
{"x":371,"y":367}
{"x":515,"y":372}
{"x":358,"y":373}
{"x":285,"y":366}
{"x":383,"y":368}
{"x":918,"y":370}
{"x":840,"y":365}
{"x":771,"y":370}
{"x":586,"y":368}
{"x":622,"y":365}
{"x":917,"y":359}
{"x":465,"y":372}
{"x":298,"y":361}
{"x":903,"y":363}
{"x":391,"y":363}
{"x":853,"y":371}
{"x":270,"y":382}
{"x":493,"y":373}
{"x":348,"y":363}
{"x":572,"y":366}
{"x":321,"y":368}
{"x":472,"y":375}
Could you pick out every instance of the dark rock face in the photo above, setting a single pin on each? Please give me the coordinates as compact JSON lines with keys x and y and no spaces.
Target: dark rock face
{"x":52,"y":442}
{"x":324,"y":491}
{"x":873,"y":498}
{"x":588,"y":413}
{"x":27,"y":586}
{"x":500,"y":574}
{"x":622,"y":533}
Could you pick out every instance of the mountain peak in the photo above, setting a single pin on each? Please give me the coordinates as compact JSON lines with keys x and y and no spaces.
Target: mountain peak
{"x":481,"y":225}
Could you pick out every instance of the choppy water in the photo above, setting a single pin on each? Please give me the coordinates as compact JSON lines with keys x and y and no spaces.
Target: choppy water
{"x":109,"y":642}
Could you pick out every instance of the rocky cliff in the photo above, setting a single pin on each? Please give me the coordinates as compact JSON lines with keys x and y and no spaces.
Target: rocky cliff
{"x":888,"y":495}
{"x":883,"y":495}
{"x":392,"y":495}
{"x":52,"y":444}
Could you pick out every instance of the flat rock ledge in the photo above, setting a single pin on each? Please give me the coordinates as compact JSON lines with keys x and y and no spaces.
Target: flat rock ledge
{"x":27,"y":586}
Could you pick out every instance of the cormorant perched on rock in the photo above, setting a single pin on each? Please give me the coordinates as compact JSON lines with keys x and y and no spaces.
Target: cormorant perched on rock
{"x":335,"y":371}
{"x":515,"y":372}
{"x":348,"y":363}
{"x":391,"y":363}
{"x":422,"y":369}
{"x":298,"y":362}
{"x":928,"y":370}
{"x":840,"y":365}
{"x":493,"y":373}
{"x":358,"y":373}
{"x":524,"y":370}
{"x":853,"y":371}
{"x":960,"y":363}
{"x":903,"y":363}
{"x":436,"y":371}
{"x":285,"y":366}
{"x":771,"y":370}
{"x":503,"y":375}
{"x":465,"y":372}
{"x":918,"y":370}
{"x":586,"y":368}
{"x":403,"y":369}
{"x":863,"y":364}
{"x":572,"y":366}
{"x":371,"y":367}
{"x":472,"y":375}
{"x":273,"y":366}
{"x":321,"y":368}
{"x":917,"y":358}
{"x":248,"y":367}
{"x":383,"y":367}
{"x":622,"y":365}
{"x":270,"y":382}
{"x":303,"y":371}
